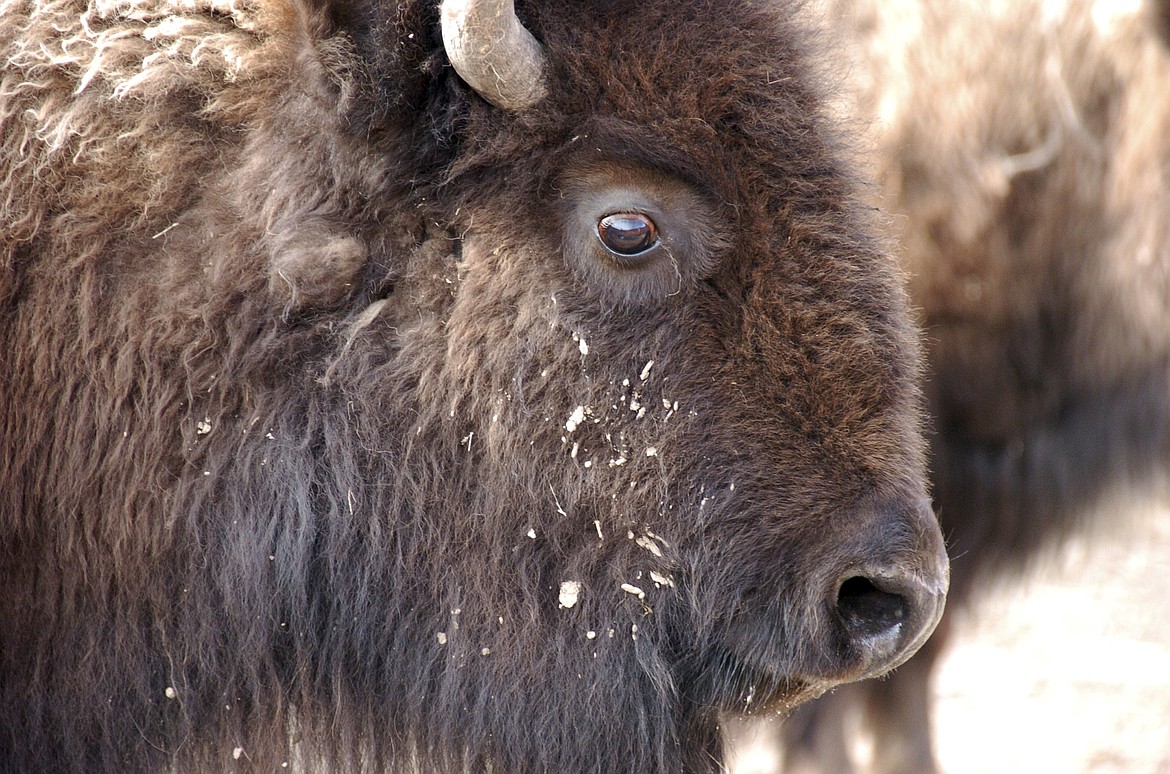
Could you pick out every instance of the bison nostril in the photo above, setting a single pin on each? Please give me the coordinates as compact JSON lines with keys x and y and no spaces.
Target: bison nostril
{"x":867,"y":610}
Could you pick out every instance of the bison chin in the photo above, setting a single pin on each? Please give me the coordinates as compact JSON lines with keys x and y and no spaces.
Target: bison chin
{"x":725,"y":682}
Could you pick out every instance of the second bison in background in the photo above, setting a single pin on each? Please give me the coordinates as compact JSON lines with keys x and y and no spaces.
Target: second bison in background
{"x":1025,"y":148}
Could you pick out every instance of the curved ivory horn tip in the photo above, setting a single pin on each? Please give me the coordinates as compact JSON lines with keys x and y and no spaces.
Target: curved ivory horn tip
{"x":493,"y":53}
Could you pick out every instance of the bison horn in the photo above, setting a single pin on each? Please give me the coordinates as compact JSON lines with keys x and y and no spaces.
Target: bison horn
{"x":493,"y":53}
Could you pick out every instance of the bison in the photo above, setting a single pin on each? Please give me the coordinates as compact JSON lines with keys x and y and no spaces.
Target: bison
{"x":484,"y":388}
{"x":1027,"y":148}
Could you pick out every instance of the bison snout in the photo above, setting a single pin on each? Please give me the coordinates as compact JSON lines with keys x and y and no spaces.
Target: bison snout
{"x":886,"y":601}
{"x":871,"y":598}
{"x":886,"y":615}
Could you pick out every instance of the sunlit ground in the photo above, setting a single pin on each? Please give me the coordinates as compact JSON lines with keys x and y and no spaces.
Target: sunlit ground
{"x":1069,"y":673}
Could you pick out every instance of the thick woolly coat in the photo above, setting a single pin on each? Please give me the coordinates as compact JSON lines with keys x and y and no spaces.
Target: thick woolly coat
{"x":324,"y":440}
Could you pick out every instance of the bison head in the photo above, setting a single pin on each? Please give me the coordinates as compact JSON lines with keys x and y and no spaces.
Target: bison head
{"x":522,"y":416}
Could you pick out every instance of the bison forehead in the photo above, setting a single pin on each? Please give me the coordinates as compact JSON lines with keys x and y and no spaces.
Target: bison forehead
{"x":670,"y":85}
{"x":670,"y":58}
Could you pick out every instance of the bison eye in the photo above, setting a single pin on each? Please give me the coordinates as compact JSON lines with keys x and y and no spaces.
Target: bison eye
{"x":627,"y":233}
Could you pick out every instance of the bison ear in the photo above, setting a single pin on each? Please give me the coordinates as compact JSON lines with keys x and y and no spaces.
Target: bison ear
{"x":314,"y":264}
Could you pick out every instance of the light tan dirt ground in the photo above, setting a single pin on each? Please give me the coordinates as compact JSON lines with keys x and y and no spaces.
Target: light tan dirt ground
{"x":1066,"y":673}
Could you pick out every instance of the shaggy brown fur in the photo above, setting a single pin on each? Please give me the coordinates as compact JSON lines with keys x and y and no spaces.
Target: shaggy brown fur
{"x":1028,"y":147}
{"x":312,"y":400}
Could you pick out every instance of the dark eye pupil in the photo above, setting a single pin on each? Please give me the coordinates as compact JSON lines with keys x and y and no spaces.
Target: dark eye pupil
{"x":627,"y":233}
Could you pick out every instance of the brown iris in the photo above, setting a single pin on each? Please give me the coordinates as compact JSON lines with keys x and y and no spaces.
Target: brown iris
{"x":627,"y":233}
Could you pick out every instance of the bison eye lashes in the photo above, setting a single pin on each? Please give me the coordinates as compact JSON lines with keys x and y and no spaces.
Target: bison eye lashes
{"x":627,"y":233}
